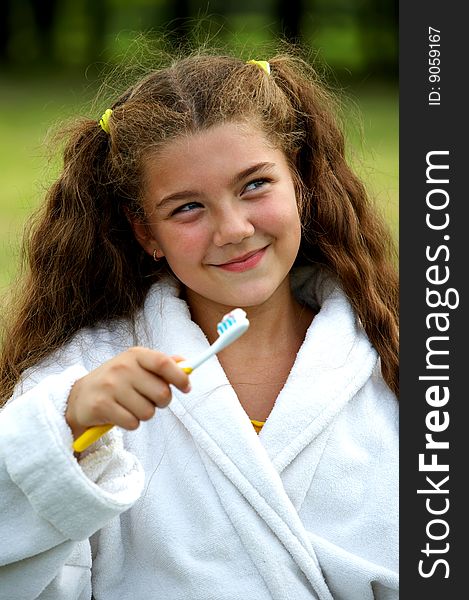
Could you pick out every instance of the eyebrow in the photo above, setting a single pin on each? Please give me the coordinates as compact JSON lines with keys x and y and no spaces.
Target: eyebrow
{"x":190,"y":194}
{"x":263,"y":166}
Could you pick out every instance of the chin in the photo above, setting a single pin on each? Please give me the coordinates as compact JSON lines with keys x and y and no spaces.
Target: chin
{"x":245,"y":298}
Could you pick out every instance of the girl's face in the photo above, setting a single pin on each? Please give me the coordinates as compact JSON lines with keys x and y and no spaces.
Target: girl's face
{"x":221,"y":208}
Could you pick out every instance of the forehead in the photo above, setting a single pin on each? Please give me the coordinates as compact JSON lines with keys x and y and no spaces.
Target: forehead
{"x":226,"y":148}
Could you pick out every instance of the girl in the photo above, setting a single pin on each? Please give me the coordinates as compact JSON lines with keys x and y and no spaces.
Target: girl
{"x":210,"y":184}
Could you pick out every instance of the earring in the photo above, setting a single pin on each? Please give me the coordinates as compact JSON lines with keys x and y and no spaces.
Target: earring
{"x":156,"y":258}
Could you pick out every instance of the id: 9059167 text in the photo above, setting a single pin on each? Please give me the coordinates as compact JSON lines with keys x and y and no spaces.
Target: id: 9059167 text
{"x":434,"y":60}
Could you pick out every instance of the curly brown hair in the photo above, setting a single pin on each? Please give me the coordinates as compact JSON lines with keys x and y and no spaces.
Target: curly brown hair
{"x":84,"y":264}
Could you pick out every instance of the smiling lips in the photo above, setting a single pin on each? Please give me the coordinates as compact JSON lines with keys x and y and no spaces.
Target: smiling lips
{"x":243,"y":263}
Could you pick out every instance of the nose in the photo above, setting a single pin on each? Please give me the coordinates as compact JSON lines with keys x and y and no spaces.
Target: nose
{"x":232,"y":226}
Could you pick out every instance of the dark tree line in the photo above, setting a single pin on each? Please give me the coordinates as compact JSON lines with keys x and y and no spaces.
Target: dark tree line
{"x":377,"y":22}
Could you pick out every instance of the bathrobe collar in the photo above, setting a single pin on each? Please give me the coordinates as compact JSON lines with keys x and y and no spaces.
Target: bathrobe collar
{"x":334,"y":362}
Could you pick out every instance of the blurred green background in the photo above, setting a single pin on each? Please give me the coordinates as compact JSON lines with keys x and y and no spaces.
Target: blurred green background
{"x":52,"y":54}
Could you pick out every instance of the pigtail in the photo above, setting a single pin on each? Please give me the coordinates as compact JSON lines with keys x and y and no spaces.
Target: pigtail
{"x":342,"y":231}
{"x":83,"y":264}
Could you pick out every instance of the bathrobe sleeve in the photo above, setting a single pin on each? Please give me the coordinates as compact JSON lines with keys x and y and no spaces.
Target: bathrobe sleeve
{"x":50,"y":503}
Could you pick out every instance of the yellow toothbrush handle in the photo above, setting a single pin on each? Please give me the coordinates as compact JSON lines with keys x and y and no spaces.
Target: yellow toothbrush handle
{"x":93,"y":434}
{"x":90,"y":436}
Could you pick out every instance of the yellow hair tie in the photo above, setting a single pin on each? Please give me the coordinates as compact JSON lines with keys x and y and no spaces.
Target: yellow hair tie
{"x":263,"y":64}
{"x":104,"y":120}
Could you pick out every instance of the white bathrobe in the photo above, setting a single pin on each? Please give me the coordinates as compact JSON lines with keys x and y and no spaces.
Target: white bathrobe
{"x":194,"y":505}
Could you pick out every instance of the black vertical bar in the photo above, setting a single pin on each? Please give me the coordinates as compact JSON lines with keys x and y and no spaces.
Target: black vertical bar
{"x":434,"y":258}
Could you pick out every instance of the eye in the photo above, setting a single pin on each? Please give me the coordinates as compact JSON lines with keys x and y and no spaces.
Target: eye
{"x":256,"y":184}
{"x":185,"y":208}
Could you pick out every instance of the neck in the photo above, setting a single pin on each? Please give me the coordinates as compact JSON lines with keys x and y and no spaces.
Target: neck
{"x":280,"y":322}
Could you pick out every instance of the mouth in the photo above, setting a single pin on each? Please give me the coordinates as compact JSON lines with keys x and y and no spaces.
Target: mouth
{"x":244,"y":262}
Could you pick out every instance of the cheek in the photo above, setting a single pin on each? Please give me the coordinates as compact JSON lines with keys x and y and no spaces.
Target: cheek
{"x":280,"y":219}
{"x":184,"y":242}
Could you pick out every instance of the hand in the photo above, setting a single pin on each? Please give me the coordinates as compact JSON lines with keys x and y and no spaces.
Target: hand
{"x":124,"y":390}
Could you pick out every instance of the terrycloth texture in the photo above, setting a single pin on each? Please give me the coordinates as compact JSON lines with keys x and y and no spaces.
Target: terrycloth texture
{"x":306,"y":509}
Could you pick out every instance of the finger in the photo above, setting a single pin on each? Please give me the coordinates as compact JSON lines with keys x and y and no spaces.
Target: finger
{"x":119,"y":415}
{"x":141,"y":407}
{"x":165,"y":367}
{"x":146,"y":389}
{"x":153,"y":388}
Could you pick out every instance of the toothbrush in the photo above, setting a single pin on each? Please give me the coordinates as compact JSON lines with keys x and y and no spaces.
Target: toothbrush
{"x":229,"y":329}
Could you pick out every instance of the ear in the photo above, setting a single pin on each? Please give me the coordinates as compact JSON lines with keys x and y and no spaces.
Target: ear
{"x":144,"y":237}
